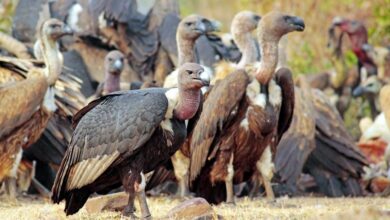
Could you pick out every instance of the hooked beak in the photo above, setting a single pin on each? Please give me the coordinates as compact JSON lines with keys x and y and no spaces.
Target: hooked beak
{"x":118,"y":65}
{"x":67,"y":31}
{"x":257,"y":18}
{"x":337,"y":21}
{"x":204,"y":78}
{"x":298,"y":23}
{"x":358,"y":91}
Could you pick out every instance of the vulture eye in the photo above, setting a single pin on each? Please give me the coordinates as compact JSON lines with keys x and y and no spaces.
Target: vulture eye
{"x":110,"y":59}
{"x":189,"y":72}
{"x":188,"y":24}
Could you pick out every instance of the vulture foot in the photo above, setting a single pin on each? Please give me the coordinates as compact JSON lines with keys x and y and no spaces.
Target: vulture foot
{"x":141,"y":196}
{"x":229,"y":182}
{"x":10,"y":187}
{"x":183,"y":187}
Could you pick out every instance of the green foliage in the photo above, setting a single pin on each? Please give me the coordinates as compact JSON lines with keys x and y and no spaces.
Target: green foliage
{"x":7,"y":8}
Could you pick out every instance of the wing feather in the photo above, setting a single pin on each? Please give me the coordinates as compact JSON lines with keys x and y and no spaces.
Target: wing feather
{"x":95,"y":146}
{"x":217,"y":108}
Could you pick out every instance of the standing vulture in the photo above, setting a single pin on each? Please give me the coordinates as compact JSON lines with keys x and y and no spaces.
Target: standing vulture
{"x":123,"y":135}
{"x":317,"y":143}
{"x":27,"y":104}
{"x":188,"y":31}
{"x":243,"y":118}
{"x":242,"y":26}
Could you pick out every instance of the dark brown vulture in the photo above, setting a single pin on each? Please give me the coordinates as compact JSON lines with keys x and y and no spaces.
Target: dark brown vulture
{"x":123,"y":135}
{"x":317,"y":143}
{"x":243,"y":118}
{"x":28,"y":99}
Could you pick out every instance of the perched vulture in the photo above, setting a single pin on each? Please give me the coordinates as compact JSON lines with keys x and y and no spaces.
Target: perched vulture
{"x":123,"y":135}
{"x":29,"y":94}
{"x":317,"y":143}
{"x":243,"y":118}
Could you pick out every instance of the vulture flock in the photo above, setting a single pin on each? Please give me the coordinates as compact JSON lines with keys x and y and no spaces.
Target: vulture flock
{"x":99,"y":96}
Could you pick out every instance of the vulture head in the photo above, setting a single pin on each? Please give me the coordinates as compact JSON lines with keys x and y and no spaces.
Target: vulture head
{"x":54,"y":29}
{"x":369,"y":86}
{"x":348,"y":26}
{"x":270,"y":29}
{"x":244,"y":22}
{"x":114,"y":62}
{"x":192,"y":26}
{"x":190,"y":77}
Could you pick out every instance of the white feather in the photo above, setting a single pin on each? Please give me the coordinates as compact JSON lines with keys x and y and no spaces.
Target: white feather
{"x":73,"y":17}
{"x":49,"y":100}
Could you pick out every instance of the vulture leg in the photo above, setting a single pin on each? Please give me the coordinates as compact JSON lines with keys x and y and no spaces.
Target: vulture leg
{"x":229,"y":182}
{"x":141,"y":197}
{"x":266,"y":168}
{"x":10,"y":187}
{"x":129,"y":181}
{"x":10,"y":181}
{"x":181,"y":165}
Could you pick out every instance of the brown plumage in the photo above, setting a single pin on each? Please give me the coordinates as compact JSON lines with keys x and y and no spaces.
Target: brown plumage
{"x":317,"y":143}
{"x":32,"y":99}
{"x":243,"y":118}
{"x":108,"y":150}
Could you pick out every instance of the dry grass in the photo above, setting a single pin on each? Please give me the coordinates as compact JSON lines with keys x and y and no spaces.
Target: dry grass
{"x":283,"y":208}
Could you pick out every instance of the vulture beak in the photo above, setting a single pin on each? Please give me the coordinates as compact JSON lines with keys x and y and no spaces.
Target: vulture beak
{"x":118,"y":65}
{"x":337,"y":21}
{"x":67,"y":31}
{"x":298,"y":23}
{"x":205,"y":78}
{"x":211,"y":25}
{"x":257,"y":18}
{"x":201,"y":28}
{"x":358,"y":91}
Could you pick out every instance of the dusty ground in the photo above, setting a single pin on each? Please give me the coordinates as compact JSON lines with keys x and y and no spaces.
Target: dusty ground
{"x":282,"y":208}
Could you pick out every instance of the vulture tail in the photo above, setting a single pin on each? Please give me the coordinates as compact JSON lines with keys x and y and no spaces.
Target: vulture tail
{"x":213,"y":193}
{"x":75,"y":200}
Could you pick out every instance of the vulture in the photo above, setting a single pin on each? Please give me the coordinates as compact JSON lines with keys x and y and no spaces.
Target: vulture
{"x":242,"y":26}
{"x":188,"y":31}
{"x":113,"y":67}
{"x":369,"y":88}
{"x":31,"y":100}
{"x":358,"y":36}
{"x":122,"y":136}
{"x":243,"y":118}
{"x":317,"y":143}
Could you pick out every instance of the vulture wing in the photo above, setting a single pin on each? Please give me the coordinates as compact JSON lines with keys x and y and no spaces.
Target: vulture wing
{"x":19,"y":101}
{"x":285,"y":80}
{"x":333,"y":137}
{"x":298,"y":142}
{"x":109,"y":130}
{"x":218,"y":108}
